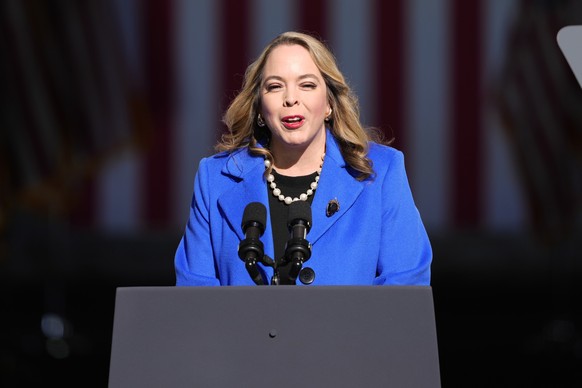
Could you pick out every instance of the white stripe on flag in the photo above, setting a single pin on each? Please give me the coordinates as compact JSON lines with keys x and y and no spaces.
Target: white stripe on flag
{"x":198,"y":116}
{"x":504,"y":198}
{"x":351,"y":35}
{"x":427,"y":114}
{"x":269,"y":19}
{"x":119,"y":198}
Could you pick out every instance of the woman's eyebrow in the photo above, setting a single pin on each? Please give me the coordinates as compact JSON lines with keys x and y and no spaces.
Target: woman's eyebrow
{"x":301,"y":77}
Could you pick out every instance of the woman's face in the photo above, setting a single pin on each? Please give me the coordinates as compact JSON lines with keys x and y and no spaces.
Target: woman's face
{"x":294,"y":99}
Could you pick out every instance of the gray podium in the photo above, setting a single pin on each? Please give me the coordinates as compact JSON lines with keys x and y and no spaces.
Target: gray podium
{"x":284,"y":336}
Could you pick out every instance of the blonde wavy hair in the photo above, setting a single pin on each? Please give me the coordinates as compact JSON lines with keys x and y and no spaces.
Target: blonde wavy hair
{"x":241,"y":116}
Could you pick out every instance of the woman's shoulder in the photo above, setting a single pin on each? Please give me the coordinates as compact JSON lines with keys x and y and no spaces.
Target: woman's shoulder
{"x":222,"y":157}
{"x":231,"y":162}
{"x":387,"y":161}
{"x":383,"y":152}
{"x":214,"y":161}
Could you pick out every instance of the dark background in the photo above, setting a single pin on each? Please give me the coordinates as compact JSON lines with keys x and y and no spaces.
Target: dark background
{"x":497,"y":325}
{"x":507,"y":301}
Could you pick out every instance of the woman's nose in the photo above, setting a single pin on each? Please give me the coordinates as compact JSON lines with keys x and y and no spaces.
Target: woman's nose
{"x":290,"y":100}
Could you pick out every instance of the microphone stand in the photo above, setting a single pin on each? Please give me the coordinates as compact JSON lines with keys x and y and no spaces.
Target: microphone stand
{"x":251,"y":251}
{"x":297,"y":251}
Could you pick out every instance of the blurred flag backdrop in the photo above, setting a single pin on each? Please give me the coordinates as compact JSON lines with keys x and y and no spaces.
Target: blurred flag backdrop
{"x":114,"y":102}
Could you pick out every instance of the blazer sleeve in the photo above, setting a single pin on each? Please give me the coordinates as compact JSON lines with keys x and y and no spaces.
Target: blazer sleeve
{"x":194,"y":259}
{"x":405,"y":252}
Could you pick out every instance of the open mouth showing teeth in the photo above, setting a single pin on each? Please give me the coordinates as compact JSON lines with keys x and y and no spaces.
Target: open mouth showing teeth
{"x":292,"y":119}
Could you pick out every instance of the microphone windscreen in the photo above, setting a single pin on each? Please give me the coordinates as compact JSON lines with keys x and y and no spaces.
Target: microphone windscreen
{"x":299,"y":210}
{"x":254,"y":212}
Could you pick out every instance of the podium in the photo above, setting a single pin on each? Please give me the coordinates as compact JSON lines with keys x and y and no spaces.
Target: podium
{"x":283,"y":336}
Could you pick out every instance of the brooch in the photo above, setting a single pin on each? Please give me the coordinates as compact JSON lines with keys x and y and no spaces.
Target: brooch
{"x":332,"y":207}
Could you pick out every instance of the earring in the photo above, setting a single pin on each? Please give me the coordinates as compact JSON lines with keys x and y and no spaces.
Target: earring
{"x":327,"y":118}
{"x":260,"y":121}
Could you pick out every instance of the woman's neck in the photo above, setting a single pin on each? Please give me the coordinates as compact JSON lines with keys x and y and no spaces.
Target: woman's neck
{"x":297,"y":161}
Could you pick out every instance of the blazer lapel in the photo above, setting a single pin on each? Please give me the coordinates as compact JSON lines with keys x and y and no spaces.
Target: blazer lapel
{"x":335,"y":183}
{"x":248,"y":171}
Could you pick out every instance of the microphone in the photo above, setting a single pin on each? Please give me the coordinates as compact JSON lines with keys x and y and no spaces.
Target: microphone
{"x":298,"y":249}
{"x":251,"y":250}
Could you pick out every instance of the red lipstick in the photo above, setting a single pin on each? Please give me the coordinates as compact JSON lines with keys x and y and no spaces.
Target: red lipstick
{"x":293,"y":122}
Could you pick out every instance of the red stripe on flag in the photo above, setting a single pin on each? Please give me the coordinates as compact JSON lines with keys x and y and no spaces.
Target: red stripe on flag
{"x":466,"y":114}
{"x":390,"y":70}
{"x":313,"y":18}
{"x":158,"y":43}
{"x":235,"y":48}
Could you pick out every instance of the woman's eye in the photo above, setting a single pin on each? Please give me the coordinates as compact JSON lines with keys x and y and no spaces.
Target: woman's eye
{"x":309,"y":86}
{"x":272,"y":87}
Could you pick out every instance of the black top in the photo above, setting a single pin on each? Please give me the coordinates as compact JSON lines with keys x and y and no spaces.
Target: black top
{"x":290,"y":187}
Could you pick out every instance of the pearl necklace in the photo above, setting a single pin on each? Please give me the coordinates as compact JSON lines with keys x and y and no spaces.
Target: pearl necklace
{"x":303,"y":196}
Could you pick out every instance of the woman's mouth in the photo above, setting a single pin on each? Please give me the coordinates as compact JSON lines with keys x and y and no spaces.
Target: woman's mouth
{"x":293,"y":122}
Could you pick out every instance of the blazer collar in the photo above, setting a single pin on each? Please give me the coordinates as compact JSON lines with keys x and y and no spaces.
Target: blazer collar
{"x":247,"y":170}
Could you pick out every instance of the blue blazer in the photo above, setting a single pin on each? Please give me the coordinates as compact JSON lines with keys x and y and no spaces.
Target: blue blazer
{"x":376,"y":238}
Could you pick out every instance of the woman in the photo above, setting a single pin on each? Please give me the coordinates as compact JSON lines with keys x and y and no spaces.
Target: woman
{"x":294,"y":134}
